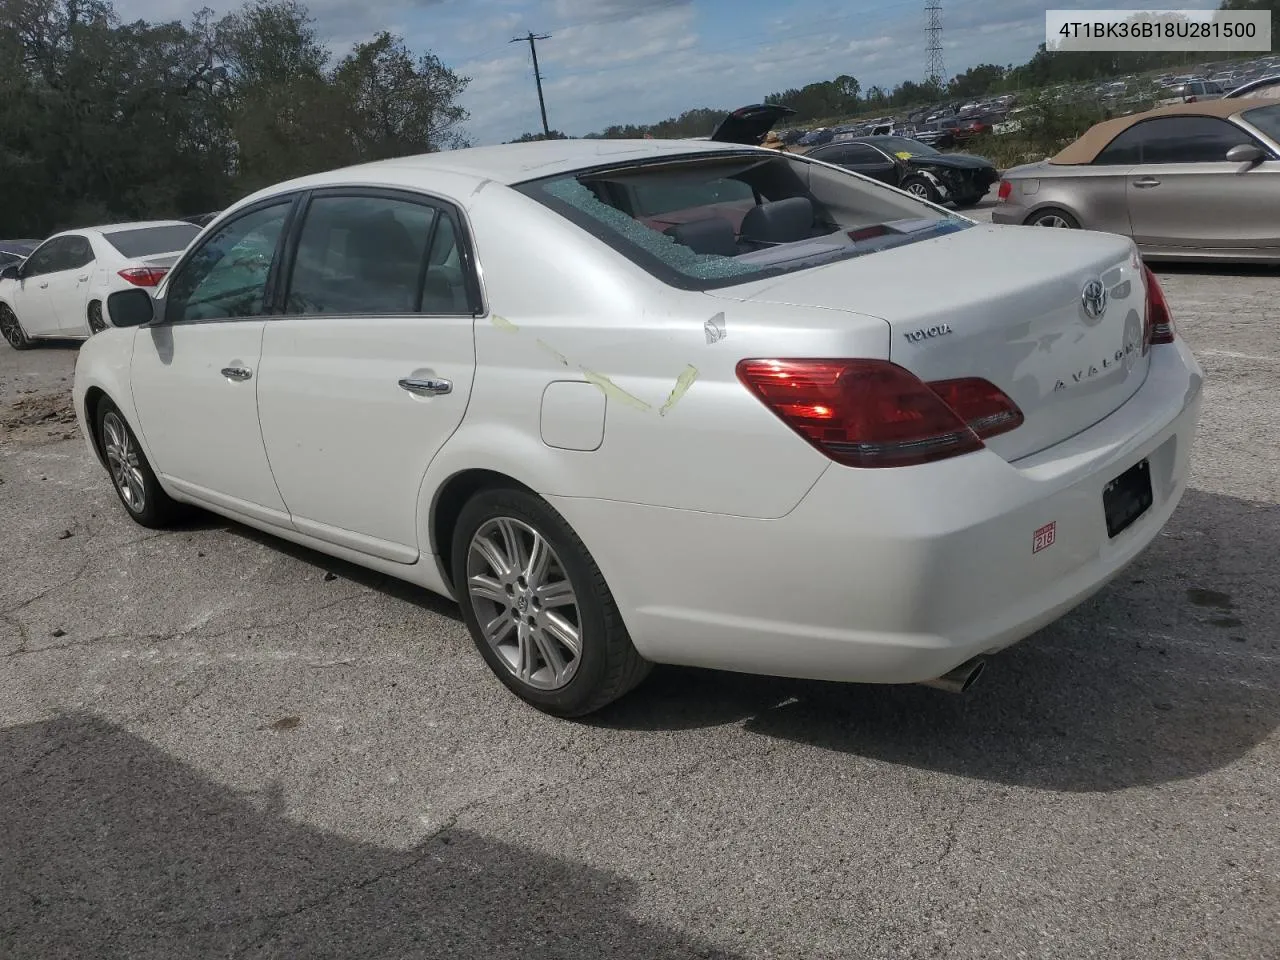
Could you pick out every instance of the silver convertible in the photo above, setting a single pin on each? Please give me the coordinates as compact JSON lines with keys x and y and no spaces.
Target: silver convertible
{"x":1193,"y":180}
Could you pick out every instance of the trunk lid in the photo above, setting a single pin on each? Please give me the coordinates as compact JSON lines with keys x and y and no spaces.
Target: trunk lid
{"x":1007,"y":304}
{"x":750,"y":125}
{"x":159,"y":260}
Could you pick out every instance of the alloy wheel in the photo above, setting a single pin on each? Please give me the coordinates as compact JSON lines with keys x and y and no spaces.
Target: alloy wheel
{"x":918,"y":189}
{"x":526,"y":607}
{"x":11,"y":329}
{"x":1053,"y":220}
{"x":122,"y":459}
{"x":96,"y":322}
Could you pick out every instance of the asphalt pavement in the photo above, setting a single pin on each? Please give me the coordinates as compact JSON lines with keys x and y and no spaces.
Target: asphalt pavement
{"x":216,"y":744}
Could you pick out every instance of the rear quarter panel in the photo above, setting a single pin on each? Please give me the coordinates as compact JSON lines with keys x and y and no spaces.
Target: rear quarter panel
{"x":680,"y":430}
{"x":1095,"y":196}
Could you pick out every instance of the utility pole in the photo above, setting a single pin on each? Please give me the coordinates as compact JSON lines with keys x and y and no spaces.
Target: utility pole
{"x":532,"y":40}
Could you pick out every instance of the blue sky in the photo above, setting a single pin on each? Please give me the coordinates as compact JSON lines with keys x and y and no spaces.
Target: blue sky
{"x":620,"y":61}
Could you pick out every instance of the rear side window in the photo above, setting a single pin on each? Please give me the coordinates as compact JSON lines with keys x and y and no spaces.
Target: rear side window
{"x":79,"y":253}
{"x":361,"y":255}
{"x":152,"y":241}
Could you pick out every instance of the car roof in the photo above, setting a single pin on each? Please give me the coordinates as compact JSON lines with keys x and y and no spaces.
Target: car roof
{"x":1088,"y":146}
{"x":508,"y":163}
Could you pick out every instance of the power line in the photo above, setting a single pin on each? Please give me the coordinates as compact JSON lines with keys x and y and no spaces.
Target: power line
{"x":935,"y":72}
{"x":532,"y":40}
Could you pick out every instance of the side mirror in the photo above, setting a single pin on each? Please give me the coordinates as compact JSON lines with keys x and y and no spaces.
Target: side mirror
{"x":130,"y":308}
{"x":1244,"y":153}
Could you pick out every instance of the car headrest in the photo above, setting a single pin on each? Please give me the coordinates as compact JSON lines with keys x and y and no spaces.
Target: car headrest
{"x":783,"y":221}
{"x":712,"y":235}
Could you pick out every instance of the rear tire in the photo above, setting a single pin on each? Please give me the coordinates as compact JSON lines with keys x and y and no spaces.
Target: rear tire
{"x":11,"y":327}
{"x":530,"y":593}
{"x":1052,"y":217}
{"x":96,"y":321}
{"x":963,"y":203}
{"x":134,"y":480}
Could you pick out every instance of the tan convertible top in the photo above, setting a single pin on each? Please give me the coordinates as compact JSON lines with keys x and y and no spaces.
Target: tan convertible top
{"x":1087,"y":148}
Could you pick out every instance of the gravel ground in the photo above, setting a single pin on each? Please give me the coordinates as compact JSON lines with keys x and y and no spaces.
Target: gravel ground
{"x":216,"y":744}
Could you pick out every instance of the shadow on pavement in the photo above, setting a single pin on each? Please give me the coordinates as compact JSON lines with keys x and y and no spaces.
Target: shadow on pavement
{"x":113,"y":849}
{"x":391,"y":586}
{"x":1178,"y":679}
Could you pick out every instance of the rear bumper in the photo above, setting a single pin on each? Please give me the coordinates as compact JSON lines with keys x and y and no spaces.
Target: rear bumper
{"x":896,"y":576}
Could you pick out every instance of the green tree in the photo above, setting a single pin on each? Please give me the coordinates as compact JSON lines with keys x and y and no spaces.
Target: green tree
{"x":396,"y":105}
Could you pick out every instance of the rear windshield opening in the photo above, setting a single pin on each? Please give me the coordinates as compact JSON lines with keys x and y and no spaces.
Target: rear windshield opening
{"x":705,"y":221}
{"x":150,"y":241}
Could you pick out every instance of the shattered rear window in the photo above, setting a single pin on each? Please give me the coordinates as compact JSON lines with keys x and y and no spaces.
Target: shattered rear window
{"x":708,"y":220}
{"x":705,"y":266}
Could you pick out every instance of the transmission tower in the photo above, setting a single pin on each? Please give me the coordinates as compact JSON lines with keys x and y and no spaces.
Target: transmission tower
{"x":935,"y":72}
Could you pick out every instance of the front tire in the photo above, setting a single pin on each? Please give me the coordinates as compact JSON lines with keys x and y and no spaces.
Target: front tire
{"x":922,"y":188}
{"x":538,"y":607}
{"x":11,"y":327}
{"x":134,"y":480}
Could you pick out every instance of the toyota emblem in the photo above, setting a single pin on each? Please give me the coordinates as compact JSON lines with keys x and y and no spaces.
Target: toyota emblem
{"x":1094,"y":299}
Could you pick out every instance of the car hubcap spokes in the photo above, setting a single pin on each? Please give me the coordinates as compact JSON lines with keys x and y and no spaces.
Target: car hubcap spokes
{"x":1052,"y":221}
{"x":917,"y":189}
{"x":122,"y":458}
{"x":525,"y":605}
{"x":9,"y":326}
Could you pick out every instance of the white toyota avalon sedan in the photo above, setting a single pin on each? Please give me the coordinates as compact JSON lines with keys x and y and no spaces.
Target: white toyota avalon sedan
{"x":672,"y":402}
{"x":60,"y":289}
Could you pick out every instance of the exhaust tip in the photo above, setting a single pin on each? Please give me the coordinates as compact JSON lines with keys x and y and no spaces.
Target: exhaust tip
{"x":960,"y":679}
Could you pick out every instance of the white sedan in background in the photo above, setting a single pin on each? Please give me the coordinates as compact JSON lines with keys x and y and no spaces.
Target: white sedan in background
{"x":661,"y":401}
{"x":59,"y":291}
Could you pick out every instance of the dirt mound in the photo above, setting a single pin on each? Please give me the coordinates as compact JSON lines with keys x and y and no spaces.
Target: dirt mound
{"x":37,"y":417}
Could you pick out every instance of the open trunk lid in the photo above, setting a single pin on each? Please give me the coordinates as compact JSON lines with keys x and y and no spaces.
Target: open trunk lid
{"x":1017,"y":306}
{"x":750,"y":125}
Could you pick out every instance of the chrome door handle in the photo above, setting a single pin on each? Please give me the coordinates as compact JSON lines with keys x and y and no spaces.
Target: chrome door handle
{"x":83,"y":279}
{"x":44,"y":286}
{"x":1146,"y":182}
{"x":237,"y":373}
{"x":429,"y":387}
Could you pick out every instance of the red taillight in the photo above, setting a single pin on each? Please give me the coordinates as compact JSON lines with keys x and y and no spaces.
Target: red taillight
{"x":1006,"y":189}
{"x":873,"y":413}
{"x":144,"y":276}
{"x":1159,"y":321}
{"x":981,"y":404}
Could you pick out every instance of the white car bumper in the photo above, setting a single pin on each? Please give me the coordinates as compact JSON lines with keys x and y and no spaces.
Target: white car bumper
{"x":897,"y":575}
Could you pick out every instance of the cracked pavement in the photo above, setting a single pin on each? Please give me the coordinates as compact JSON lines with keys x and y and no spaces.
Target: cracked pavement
{"x":217,"y":744}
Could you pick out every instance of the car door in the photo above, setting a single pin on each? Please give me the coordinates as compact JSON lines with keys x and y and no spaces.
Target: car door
{"x":1185,"y":193}
{"x":68,"y":289}
{"x":35,"y":294}
{"x":369,"y":371}
{"x":194,"y":369}
{"x":871,"y":162}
